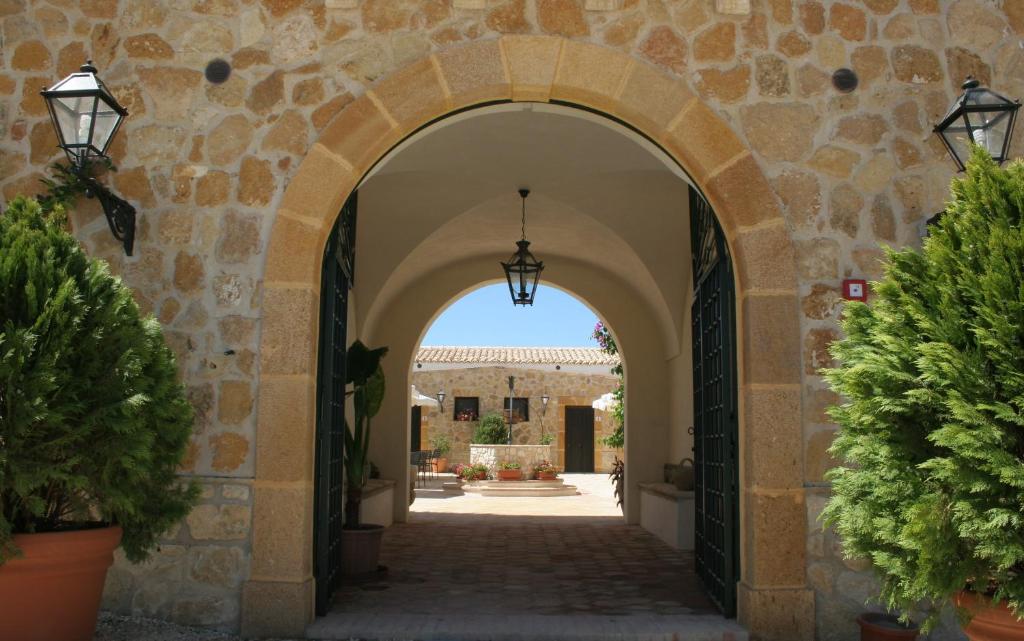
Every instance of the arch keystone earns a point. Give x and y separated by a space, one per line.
532 62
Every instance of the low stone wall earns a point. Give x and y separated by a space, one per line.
526 455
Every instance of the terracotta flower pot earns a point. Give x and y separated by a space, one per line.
510 475
875 626
441 465
988 622
546 476
360 549
54 590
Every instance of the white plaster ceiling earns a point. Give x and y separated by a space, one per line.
600 196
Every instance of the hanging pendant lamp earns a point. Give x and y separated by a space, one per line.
522 271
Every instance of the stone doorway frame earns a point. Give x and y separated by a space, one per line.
773 599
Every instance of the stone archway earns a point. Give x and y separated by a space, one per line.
774 602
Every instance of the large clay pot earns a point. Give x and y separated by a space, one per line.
441 465
510 475
875 626
988 622
360 549
53 591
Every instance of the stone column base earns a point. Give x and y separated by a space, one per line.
776 614
276 608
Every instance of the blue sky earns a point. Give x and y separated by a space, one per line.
486 316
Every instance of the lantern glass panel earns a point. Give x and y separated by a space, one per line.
105 123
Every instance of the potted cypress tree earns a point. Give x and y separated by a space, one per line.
360 547
93 427
931 433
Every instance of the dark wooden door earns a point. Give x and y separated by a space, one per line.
336 281
716 430
417 416
579 439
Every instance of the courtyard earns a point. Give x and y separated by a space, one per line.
472 567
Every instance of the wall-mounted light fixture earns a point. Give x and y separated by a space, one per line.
440 400
544 403
978 116
86 116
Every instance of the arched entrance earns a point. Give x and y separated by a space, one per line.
773 599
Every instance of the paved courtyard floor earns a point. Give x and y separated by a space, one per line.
503 568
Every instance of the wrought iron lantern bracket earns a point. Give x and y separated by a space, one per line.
119 212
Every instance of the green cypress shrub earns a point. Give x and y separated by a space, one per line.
492 430
931 436
93 421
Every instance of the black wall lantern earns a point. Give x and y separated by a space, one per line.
86 117
523 270
979 116
440 400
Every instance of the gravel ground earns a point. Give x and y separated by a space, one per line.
112 627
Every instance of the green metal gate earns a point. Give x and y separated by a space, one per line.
336 280
715 424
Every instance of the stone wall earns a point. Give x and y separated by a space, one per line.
494 455
195 574
207 163
490 385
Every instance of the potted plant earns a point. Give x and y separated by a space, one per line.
93 427
477 472
545 471
442 445
510 471
360 545
547 439
931 438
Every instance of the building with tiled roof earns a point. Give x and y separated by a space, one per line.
445 356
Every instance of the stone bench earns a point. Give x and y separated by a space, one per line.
668 514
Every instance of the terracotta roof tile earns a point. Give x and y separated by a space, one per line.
516 355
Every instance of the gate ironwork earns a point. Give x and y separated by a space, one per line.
715 426
337 277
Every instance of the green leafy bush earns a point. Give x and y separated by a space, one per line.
931 430
93 421
492 430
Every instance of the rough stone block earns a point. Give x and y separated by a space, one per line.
532 62
282 533
651 99
703 141
276 608
773 437
284 443
475 73
776 614
296 249
319 188
765 258
360 134
219 522
289 340
589 75
776 542
771 335
741 195
412 95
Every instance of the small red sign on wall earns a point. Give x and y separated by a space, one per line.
855 289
